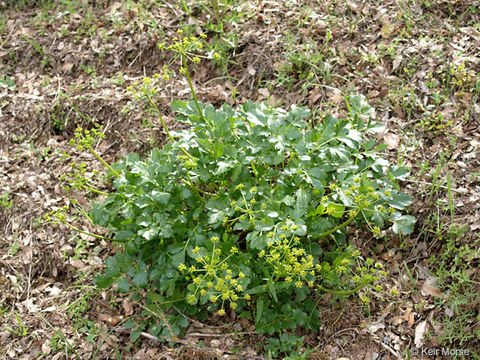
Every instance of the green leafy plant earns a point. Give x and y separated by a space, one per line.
246 210
5 201
458 280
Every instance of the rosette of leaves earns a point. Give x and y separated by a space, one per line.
248 210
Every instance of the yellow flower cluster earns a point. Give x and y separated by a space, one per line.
288 259
185 45
148 85
214 280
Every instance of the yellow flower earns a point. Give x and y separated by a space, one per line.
247 297
213 299
203 292
182 267
233 305
196 60
196 249
239 288
270 234
261 254
221 312
298 284
241 275
254 189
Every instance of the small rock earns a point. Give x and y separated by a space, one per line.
215 343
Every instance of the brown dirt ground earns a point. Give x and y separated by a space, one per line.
44 270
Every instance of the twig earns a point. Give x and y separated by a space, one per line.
344 330
221 335
388 348
441 186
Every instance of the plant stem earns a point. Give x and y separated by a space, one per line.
164 125
104 163
338 227
83 232
157 110
194 95
95 190
342 293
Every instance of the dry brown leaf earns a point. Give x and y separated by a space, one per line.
411 320
392 140
397 61
264 92
127 307
429 288
420 333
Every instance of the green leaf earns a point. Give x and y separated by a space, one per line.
399 172
224 166
255 241
259 312
271 289
301 204
140 279
399 201
123 285
403 224
104 280
160 197
216 217
265 224
178 258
